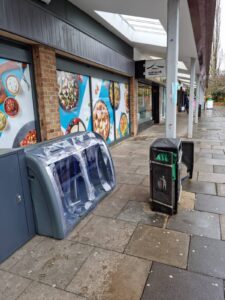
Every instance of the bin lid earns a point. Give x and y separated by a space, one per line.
57 149
166 143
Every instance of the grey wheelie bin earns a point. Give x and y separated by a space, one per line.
68 177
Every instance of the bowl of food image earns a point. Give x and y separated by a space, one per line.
3 121
126 96
27 135
123 124
101 120
116 95
68 94
3 95
75 125
111 93
30 138
12 84
11 106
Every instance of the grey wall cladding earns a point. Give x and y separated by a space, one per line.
28 20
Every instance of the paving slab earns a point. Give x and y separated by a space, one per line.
106 233
79 226
141 212
218 156
211 177
11 286
19 254
207 161
220 189
219 169
196 222
161 245
146 181
133 192
199 167
187 200
220 147
143 170
204 155
219 151
205 146
169 283
126 169
210 203
207 256
109 275
208 188
54 262
110 207
130 178
39 291
222 226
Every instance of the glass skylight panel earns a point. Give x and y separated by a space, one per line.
181 65
137 29
145 24
184 75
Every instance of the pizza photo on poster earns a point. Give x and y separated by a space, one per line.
74 102
121 100
102 106
17 121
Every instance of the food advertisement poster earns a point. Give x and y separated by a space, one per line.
121 100
17 126
74 102
102 104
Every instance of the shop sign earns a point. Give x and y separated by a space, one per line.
155 68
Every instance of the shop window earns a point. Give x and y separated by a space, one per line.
74 102
122 108
103 109
17 118
97 101
144 103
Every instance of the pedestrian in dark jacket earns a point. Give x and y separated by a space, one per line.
186 103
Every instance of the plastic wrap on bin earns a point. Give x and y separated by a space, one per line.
68 177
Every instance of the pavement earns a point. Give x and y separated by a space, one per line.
125 251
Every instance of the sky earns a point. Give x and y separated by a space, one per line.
222 31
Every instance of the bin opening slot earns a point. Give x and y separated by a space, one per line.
188 157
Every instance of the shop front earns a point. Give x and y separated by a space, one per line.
144 103
90 91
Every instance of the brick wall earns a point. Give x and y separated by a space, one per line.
47 91
134 106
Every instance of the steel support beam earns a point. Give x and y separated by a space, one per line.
172 63
191 98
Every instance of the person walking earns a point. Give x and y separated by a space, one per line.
186 103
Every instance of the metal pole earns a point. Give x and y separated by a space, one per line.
191 99
172 62
198 101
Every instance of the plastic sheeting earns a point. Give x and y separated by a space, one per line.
81 172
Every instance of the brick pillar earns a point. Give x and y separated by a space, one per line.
134 105
47 91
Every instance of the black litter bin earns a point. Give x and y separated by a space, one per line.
166 156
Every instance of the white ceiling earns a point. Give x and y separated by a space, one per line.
155 9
